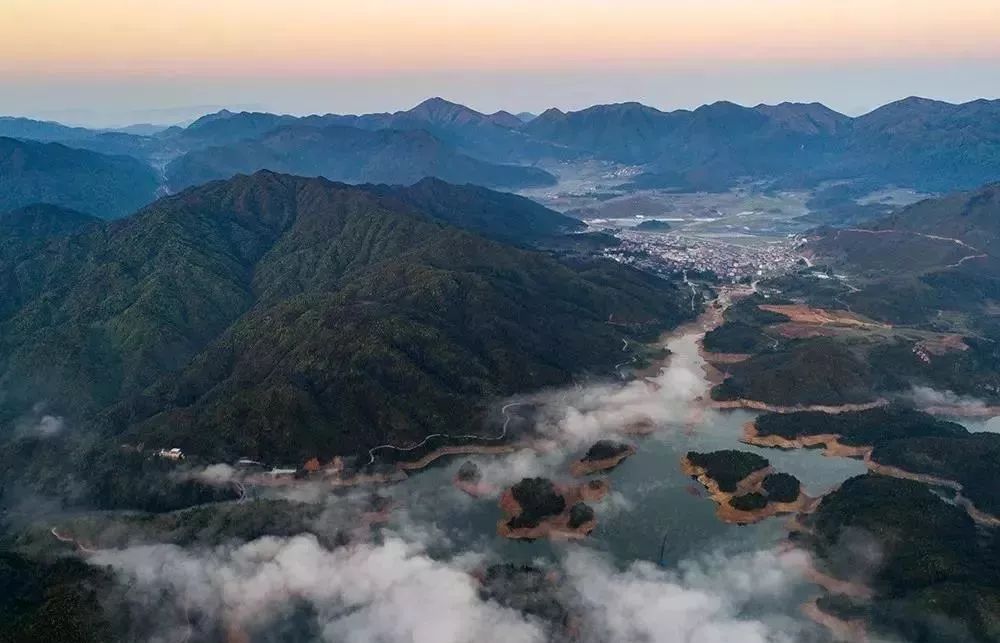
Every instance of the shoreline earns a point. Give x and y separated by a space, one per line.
978 515
472 449
830 442
849 631
754 405
833 585
753 483
833 448
554 527
583 467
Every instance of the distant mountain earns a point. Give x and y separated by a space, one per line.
811 118
351 155
708 148
929 145
494 137
933 145
225 127
106 186
46 131
919 143
628 132
236 317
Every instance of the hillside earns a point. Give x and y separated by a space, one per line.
244 311
105 186
351 155
935 575
498 215
936 259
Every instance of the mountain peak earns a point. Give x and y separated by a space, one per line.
504 118
222 114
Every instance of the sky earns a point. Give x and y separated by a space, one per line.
108 62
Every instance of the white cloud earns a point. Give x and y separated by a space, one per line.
701 604
389 592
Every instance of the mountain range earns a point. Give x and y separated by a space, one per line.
928 145
284 317
351 155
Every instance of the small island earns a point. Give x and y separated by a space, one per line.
744 486
469 479
538 508
603 455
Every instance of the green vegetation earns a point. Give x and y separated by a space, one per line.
604 449
782 487
748 311
539 499
790 377
59 600
858 428
653 225
971 459
727 468
749 502
235 319
105 186
580 514
935 575
738 337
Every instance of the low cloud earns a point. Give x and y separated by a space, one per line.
928 398
700 603
577 416
395 592
389 592
38 423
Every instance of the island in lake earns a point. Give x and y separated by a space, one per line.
744 486
603 455
538 508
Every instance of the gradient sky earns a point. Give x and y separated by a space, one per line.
110 61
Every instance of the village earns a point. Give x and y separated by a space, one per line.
727 261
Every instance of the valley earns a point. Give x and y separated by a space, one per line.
640 369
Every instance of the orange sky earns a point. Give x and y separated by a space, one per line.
334 37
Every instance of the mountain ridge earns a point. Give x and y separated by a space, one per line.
241 312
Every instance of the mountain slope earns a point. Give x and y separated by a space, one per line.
351 155
288 317
106 186
498 215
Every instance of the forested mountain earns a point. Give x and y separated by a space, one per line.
106 186
351 155
286 317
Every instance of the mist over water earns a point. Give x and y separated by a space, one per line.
660 566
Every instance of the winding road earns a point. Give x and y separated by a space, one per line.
503 433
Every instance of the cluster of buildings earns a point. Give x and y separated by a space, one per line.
671 253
